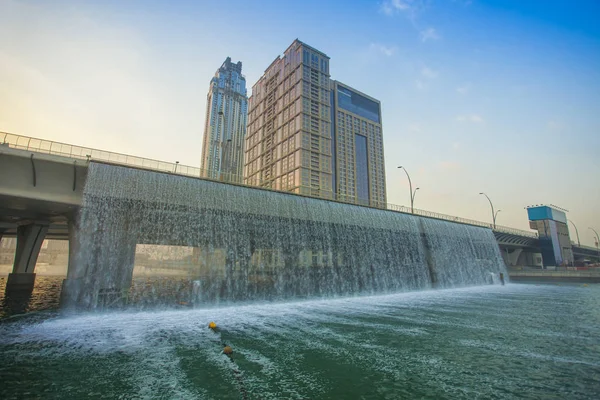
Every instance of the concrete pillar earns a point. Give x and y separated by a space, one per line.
514 257
73 231
29 242
73 285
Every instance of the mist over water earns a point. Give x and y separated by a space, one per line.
258 245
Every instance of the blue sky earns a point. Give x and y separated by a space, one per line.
494 96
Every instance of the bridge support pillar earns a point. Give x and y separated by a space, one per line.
29 242
512 256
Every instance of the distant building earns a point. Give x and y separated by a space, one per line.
311 135
288 146
358 162
225 127
555 242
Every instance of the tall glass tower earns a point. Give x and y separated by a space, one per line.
225 127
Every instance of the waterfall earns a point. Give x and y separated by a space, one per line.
255 244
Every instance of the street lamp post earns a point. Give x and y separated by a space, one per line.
496 216
597 241
492 206
413 198
412 193
576 232
176 164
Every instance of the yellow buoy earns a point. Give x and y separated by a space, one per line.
585 285
227 350
212 325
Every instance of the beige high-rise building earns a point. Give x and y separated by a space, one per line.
312 135
288 141
358 165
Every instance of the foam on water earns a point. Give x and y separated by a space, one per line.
251 244
454 343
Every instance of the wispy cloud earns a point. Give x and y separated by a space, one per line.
391 7
387 51
426 76
429 34
411 9
463 89
429 73
473 118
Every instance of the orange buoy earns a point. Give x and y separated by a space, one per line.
227 350
212 325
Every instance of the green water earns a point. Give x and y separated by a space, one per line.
516 341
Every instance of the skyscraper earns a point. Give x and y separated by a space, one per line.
288 146
225 127
358 164
312 135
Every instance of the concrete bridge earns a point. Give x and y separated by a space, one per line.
41 191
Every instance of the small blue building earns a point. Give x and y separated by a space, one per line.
555 242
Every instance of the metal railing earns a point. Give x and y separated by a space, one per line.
86 153
89 154
431 214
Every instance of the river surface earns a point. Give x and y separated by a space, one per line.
515 341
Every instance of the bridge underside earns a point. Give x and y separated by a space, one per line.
15 212
582 254
519 250
29 220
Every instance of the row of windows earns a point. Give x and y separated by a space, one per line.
288 90
315 77
287 181
304 158
312 141
316 61
299 104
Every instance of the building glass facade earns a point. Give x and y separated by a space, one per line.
358 151
357 104
362 169
225 126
